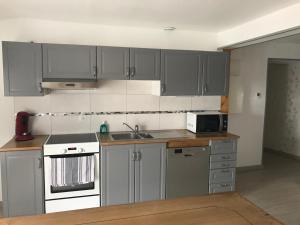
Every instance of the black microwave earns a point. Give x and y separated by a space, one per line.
207 122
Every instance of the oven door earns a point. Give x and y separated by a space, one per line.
210 123
57 192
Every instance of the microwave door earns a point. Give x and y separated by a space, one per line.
208 123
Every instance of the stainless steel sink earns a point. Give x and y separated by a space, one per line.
125 136
130 136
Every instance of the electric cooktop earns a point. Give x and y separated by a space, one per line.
72 138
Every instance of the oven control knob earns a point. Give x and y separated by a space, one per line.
66 151
82 150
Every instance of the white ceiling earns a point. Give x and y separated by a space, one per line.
204 15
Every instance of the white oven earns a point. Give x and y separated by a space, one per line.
71 171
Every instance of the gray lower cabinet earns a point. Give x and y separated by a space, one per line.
181 72
22 183
144 64
117 174
61 61
150 169
113 63
132 173
222 166
216 74
22 69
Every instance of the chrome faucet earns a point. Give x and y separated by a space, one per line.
135 130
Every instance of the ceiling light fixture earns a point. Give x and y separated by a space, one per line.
169 28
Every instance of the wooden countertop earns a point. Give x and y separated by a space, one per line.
35 144
225 209
173 138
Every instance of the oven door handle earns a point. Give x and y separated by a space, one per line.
71 155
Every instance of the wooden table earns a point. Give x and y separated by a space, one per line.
218 209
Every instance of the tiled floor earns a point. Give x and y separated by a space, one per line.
276 188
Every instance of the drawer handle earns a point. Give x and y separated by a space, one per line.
225 165
225 185
225 171
226 157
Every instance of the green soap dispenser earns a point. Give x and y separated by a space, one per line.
104 128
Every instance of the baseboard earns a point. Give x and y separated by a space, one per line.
249 168
284 154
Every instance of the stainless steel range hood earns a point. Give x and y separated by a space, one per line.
67 84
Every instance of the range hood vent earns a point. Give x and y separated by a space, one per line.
62 84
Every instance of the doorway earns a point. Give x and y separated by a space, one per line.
282 113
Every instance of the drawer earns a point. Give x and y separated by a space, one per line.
223 146
221 165
222 187
222 175
223 157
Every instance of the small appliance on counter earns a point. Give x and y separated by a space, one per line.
22 128
207 122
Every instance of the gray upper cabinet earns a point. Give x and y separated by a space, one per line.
22 183
216 76
113 63
22 69
150 170
144 64
181 72
117 175
62 61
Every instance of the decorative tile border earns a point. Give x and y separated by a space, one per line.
114 113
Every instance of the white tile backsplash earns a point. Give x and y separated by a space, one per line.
32 104
115 122
206 103
142 103
71 124
172 121
70 103
108 103
175 103
145 121
108 97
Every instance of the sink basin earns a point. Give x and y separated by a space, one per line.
125 136
130 136
145 135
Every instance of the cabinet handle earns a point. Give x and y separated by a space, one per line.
127 73
225 157
225 165
205 88
134 156
139 156
40 87
163 88
132 71
95 71
40 162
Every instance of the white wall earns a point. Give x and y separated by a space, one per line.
282 121
282 20
250 63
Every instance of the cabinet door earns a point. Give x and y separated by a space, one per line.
180 72
22 69
216 77
22 183
113 63
117 174
150 172
69 62
144 64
